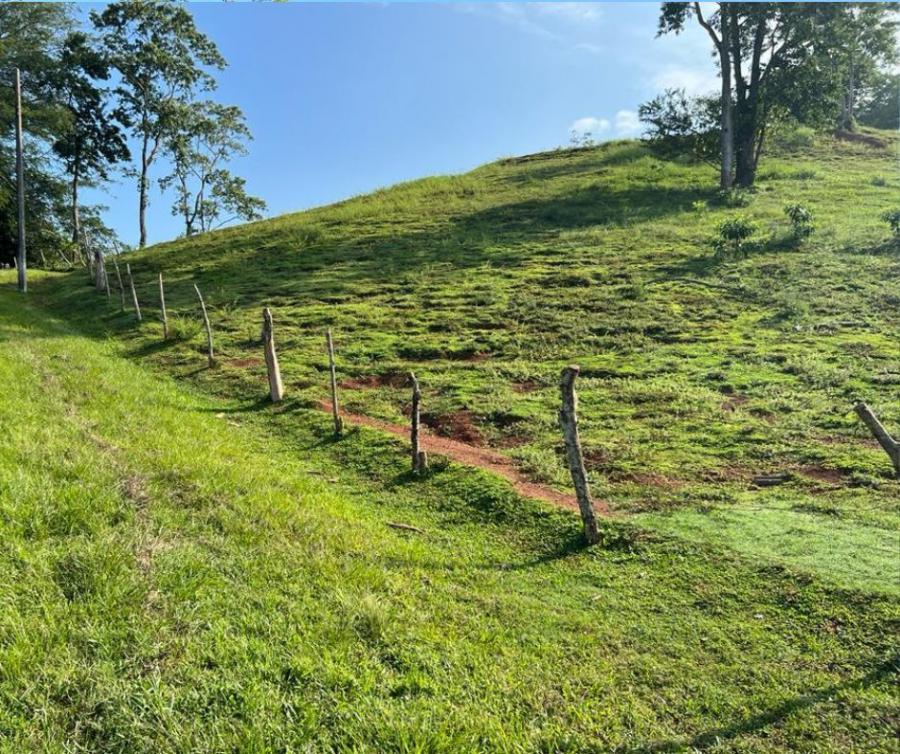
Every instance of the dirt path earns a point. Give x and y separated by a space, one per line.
471 455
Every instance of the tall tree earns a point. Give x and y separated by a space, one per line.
162 60
93 140
771 64
208 136
863 39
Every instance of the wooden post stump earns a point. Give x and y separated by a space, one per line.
134 298
209 340
162 308
890 445
568 421
335 411
419 457
276 387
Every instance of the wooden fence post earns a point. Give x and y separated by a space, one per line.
100 272
890 445
568 421
335 411
276 387
106 282
162 308
209 341
419 457
134 298
119 278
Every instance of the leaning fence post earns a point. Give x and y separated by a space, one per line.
106 282
209 342
119 278
568 421
335 411
134 298
890 445
276 388
419 457
162 308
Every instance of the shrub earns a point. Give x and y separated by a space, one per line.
801 220
892 218
733 198
733 233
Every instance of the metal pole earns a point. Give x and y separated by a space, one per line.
20 186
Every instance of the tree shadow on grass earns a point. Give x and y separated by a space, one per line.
771 716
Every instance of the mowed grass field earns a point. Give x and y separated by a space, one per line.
699 373
183 572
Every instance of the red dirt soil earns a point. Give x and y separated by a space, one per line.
482 458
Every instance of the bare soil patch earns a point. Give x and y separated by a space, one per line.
482 458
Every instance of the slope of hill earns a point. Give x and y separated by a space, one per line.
182 572
699 373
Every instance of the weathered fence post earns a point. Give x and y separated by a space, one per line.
106 282
162 308
890 445
276 388
568 421
134 298
335 411
209 341
119 278
100 271
419 457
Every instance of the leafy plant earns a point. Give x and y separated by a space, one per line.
732 235
801 220
892 218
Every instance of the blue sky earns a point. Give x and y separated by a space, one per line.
345 98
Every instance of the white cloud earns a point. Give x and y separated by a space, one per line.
553 21
588 47
570 12
694 81
590 125
627 122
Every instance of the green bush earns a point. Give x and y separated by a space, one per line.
733 233
892 218
801 220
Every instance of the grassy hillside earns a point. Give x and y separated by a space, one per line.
699 372
182 572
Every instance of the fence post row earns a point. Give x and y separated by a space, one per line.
335 411
209 340
568 421
276 387
119 278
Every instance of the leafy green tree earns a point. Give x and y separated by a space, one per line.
880 102
208 196
771 61
93 140
676 122
162 60
863 42
31 36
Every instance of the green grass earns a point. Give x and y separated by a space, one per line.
698 372
187 568
182 572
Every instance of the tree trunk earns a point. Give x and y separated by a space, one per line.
276 387
76 215
21 261
335 411
100 271
568 421
144 199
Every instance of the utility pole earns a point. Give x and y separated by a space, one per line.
20 186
